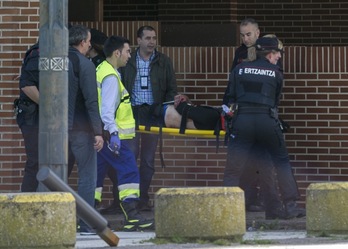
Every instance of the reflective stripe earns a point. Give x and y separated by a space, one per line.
129 190
98 194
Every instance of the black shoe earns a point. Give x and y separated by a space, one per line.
293 211
144 206
275 214
134 220
255 208
114 208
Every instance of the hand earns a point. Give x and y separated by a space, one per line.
99 142
115 143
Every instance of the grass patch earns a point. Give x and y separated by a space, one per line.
257 242
274 225
324 234
180 240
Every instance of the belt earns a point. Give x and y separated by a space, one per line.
253 109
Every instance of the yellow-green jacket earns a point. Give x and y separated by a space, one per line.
124 116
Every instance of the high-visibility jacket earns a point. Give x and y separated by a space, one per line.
124 114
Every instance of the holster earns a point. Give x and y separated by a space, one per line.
274 113
29 109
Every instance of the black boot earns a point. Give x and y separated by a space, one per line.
115 207
293 211
277 213
134 220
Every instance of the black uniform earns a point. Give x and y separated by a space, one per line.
249 180
256 88
28 118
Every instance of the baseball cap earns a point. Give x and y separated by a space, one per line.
268 44
98 39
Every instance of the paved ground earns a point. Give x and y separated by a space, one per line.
286 234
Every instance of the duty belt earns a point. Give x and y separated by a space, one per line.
253 109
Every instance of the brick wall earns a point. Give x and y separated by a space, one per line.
314 22
18 30
314 103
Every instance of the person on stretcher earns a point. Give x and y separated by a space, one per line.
181 113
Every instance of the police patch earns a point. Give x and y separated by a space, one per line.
258 71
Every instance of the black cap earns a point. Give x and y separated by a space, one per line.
98 37
268 44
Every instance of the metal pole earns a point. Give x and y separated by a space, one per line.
53 65
87 213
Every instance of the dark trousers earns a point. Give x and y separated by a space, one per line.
31 140
250 179
263 131
145 146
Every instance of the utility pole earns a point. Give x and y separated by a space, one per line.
53 65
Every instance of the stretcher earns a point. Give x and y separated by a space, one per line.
176 132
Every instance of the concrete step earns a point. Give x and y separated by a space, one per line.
254 221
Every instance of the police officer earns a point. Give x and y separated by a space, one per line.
255 89
27 110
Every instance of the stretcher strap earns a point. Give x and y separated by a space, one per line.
176 132
161 147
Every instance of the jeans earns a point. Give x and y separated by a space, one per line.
82 146
263 131
146 145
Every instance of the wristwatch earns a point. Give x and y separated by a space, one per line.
115 133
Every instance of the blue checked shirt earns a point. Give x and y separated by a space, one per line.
142 96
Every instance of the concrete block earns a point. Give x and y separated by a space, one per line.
37 220
205 212
326 205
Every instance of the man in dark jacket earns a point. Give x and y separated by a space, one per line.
149 78
85 126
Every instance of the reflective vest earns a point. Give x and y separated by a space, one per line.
124 114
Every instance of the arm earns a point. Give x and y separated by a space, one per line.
88 86
29 79
230 95
172 89
110 101
279 88
32 92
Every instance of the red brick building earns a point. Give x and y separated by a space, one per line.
201 37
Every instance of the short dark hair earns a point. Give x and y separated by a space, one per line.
140 31
77 33
249 20
114 43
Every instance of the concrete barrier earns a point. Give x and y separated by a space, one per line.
326 205
206 212
37 220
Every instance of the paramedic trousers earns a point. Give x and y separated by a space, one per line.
125 167
260 129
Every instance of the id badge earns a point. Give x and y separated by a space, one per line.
143 82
